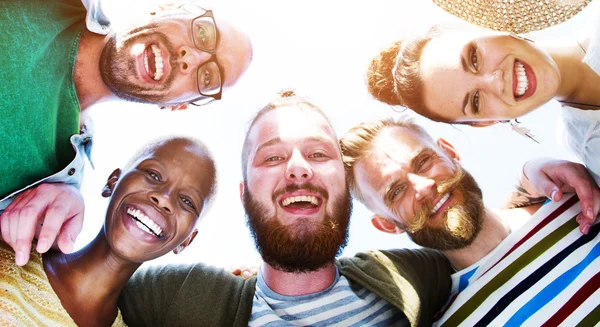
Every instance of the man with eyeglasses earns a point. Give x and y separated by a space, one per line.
61 57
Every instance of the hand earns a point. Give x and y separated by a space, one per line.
57 208
245 272
552 177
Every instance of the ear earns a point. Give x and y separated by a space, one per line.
448 148
111 182
483 123
384 225
175 107
186 242
242 191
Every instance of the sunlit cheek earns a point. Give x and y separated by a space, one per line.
137 49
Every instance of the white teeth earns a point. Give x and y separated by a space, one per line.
522 82
158 62
144 222
300 198
440 203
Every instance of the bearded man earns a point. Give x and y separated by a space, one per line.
298 208
545 272
58 59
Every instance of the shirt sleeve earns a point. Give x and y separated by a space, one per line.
95 20
186 295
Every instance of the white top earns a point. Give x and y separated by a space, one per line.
580 129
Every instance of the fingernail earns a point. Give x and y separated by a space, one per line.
590 213
246 274
42 246
586 229
553 194
20 259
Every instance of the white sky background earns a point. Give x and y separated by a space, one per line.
321 49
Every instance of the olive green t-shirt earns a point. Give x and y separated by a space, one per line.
38 103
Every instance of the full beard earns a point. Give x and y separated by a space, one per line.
303 246
462 222
118 69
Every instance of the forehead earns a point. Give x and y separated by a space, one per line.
291 124
390 155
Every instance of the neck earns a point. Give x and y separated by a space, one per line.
578 82
493 231
88 83
76 278
296 284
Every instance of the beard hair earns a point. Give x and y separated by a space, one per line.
115 71
303 246
462 222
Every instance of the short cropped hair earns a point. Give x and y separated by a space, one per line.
358 142
285 99
153 145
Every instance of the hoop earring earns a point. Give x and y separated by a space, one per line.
521 130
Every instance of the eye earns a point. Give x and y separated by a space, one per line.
273 159
187 202
423 163
206 77
154 175
395 192
474 60
202 34
317 155
475 102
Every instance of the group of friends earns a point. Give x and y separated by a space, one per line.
59 58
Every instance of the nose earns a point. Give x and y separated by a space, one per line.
493 82
298 169
423 186
190 58
162 199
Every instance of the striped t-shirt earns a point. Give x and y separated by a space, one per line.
543 274
341 304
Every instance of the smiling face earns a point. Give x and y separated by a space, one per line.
158 62
418 186
470 76
155 205
295 192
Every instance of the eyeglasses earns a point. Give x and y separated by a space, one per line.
209 77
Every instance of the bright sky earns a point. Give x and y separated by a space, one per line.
321 49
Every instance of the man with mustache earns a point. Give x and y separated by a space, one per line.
298 208
545 272
55 67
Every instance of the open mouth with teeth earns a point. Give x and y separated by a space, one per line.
440 203
153 62
145 223
523 80
305 204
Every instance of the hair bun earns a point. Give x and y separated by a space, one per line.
380 79
287 93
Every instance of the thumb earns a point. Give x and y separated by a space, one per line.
550 190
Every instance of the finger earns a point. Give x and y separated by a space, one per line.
55 217
246 274
10 217
25 233
69 232
549 188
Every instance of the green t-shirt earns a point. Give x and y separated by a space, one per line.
38 103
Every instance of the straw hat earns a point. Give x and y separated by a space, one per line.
516 16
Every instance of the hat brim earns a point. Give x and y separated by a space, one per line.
514 16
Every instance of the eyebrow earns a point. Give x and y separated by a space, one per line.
276 140
463 63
